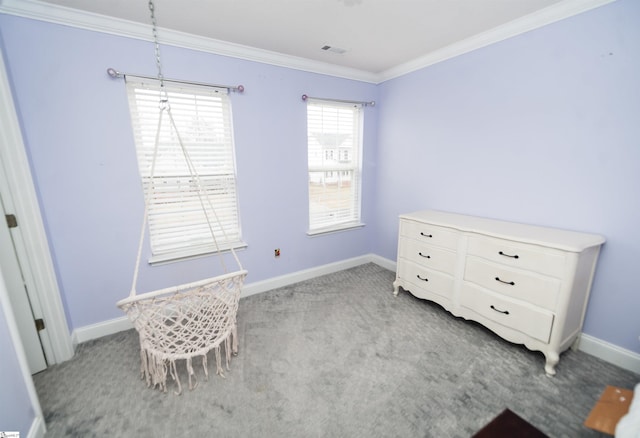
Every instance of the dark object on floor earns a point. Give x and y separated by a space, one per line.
508 424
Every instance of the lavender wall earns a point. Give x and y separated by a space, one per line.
542 128
78 136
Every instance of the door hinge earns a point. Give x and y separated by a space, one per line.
12 222
39 324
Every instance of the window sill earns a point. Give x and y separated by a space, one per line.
193 254
335 229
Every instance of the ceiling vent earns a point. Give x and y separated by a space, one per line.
332 49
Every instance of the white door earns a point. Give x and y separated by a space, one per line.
19 299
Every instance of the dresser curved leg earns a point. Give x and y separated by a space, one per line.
396 287
552 360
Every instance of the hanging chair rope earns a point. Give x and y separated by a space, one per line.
164 106
147 198
194 173
154 28
189 320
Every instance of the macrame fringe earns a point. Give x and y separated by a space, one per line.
227 352
218 365
174 374
234 338
154 369
204 366
188 323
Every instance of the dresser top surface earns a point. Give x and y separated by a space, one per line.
546 236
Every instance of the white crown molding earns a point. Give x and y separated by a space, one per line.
551 14
90 21
42 11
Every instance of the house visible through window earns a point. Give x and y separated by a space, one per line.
334 146
178 225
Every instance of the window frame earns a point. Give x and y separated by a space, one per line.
205 125
338 166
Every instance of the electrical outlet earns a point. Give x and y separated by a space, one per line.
276 252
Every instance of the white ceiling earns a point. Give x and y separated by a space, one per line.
380 37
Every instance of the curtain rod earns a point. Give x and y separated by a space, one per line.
116 74
372 103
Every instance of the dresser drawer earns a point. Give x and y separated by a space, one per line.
543 260
427 279
427 255
517 315
523 285
431 234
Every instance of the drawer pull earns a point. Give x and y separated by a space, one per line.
425 256
505 282
515 256
420 278
506 312
426 235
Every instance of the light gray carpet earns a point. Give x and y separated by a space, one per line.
337 356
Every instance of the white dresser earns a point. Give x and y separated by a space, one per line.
528 284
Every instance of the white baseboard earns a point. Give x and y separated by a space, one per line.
104 328
306 274
37 429
381 261
606 351
610 353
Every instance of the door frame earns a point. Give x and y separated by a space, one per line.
20 302
38 426
32 247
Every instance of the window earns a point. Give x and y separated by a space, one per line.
178 225
334 185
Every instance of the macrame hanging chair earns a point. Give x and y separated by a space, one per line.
190 320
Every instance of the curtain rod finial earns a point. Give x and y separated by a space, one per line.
113 72
240 88
305 97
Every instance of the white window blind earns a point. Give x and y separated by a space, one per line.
178 225
334 144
